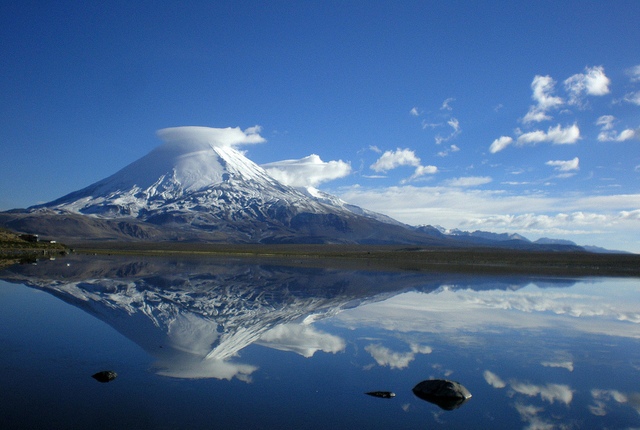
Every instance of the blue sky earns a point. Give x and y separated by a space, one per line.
499 116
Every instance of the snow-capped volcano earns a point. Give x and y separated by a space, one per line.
197 186
192 164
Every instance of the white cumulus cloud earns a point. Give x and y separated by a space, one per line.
634 73
307 171
392 159
446 105
608 134
468 181
592 82
633 98
455 125
613 136
500 143
565 166
606 122
555 135
421 171
543 88
452 148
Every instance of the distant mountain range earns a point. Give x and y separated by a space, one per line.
199 191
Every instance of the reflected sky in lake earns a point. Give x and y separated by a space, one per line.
201 343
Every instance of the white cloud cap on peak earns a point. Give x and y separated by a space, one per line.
307 171
212 136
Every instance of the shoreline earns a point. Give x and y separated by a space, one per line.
391 257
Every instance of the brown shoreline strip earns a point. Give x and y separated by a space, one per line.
394 257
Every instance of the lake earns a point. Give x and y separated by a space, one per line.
258 344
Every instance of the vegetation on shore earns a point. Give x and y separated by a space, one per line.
395 257
14 248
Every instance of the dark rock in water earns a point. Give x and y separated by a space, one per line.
105 376
449 395
382 394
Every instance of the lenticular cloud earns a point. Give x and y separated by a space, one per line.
213 136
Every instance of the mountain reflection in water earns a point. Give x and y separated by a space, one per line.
194 316
526 347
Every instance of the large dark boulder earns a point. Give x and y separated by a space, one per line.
448 395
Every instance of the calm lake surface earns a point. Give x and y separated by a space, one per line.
202 343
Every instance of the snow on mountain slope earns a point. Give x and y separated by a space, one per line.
337 202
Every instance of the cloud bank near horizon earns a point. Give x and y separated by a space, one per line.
537 215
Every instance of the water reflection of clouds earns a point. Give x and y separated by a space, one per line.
560 364
548 392
395 360
476 311
603 401
494 380
184 366
533 415
302 339
603 398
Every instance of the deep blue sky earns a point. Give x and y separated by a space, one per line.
500 116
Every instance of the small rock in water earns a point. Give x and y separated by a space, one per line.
449 395
382 394
105 376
